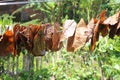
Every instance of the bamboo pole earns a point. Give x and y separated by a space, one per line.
17 64
40 62
53 60
13 64
53 64
37 63
23 62
8 64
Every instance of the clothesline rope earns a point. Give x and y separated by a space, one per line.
27 2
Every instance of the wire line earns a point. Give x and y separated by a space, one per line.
27 2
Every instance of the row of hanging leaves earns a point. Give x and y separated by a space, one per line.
38 39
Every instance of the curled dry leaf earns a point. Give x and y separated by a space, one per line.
70 41
18 42
56 44
113 30
68 29
48 36
102 16
7 43
23 37
49 29
95 36
99 27
39 43
91 26
118 30
103 28
16 38
118 27
113 23
112 20
52 37
29 34
81 35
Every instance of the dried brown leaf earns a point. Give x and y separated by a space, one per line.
95 36
70 41
102 15
39 43
112 20
56 44
103 28
68 29
91 26
7 43
81 35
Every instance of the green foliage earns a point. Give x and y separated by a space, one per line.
42 74
6 77
6 19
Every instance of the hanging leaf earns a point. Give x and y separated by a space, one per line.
56 44
99 27
48 35
16 38
70 41
7 43
91 26
113 23
118 30
81 35
103 28
23 37
102 15
113 30
118 27
39 43
19 43
68 29
95 36
112 20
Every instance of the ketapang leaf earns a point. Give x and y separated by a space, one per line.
56 44
52 37
81 35
70 41
102 16
39 43
99 27
118 30
113 23
23 37
15 36
49 30
112 20
6 43
18 43
95 36
113 30
68 29
91 26
103 28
